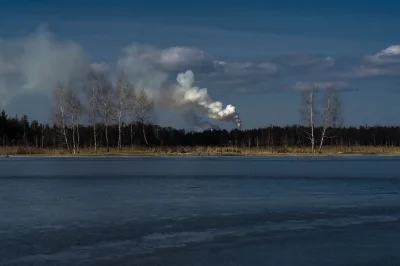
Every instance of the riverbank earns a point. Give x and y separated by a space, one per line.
204 151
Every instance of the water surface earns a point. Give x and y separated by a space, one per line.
200 211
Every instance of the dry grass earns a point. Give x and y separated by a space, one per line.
203 151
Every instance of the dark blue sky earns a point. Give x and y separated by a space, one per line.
293 42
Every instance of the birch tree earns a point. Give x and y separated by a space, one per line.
144 112
60 116
92 97
123 99
106 107
332 115
75 111
309 114
131 112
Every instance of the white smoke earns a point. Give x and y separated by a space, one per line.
200 97
197 123
144 69
140 70
37 62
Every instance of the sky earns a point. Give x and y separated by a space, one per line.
255 55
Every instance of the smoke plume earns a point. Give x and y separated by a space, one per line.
200 97
198 124
37 62
146 69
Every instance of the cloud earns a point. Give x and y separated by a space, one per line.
323 85
137 62
173 57
244 68
180 58
383 64
389 55
363 71
100 67
154 68
296 61
37 62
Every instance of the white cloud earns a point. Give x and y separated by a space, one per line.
100 67
323 85
175 57
180 56
139 67
386 56
294 61
368 72
148 66
244 68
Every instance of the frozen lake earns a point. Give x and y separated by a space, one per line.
200 211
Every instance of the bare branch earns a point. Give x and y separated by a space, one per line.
144 111
123 101
75 111
308 113
60 114
106 105
332 115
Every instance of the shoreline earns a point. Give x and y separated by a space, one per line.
342 151
122 155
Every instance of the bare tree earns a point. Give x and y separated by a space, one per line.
92 96
106 107
131 111
60 116
309 113
144 112
332 114
123 99
75 111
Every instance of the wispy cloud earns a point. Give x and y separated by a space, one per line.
389 55
139 59
363 71
323 85
100 67
300 60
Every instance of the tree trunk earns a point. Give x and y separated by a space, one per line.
78 138
42 144
95 137
108 147
66 139
119 135
64 128
73 137
322 140
144 134
131 135
312 139
312 120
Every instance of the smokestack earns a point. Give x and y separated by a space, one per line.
200 97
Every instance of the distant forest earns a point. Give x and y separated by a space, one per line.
17 131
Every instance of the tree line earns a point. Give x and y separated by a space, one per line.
118 116
15 131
